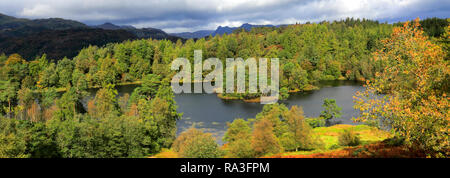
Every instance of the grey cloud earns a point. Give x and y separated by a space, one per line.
190 15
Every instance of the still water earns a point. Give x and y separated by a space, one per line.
208 112
211 113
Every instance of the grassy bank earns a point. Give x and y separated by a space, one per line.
370 137
329 137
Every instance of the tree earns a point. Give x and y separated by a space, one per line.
194 143
149 87
264 140
108 71
284 93
79 83
67 105
39 143
299 135
160 114
238 139
8 93
48 77
348 138
48 98
12 139
64 70
15 68
106 102
275 113
239 128
331 109
415 80
107 137
139 67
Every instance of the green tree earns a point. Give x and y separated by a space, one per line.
148 89
238 139
64 70
68 105
194 143
275 113
331 109
48 77
8 94
15 68
299 135
160 114
106 102
12 139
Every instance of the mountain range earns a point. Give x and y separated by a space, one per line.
59 38
153 33
219 31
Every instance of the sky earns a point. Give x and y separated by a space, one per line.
175 16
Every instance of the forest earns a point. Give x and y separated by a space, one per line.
41 114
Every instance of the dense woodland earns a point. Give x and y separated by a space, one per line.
43 116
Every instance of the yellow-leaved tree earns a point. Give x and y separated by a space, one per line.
415 85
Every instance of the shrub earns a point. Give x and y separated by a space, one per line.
349 138
395 141
316 122
334 146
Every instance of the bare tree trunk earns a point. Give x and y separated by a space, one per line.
9 108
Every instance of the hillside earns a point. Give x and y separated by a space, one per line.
60 38
196 34
153 33
18 27
375 143
58 44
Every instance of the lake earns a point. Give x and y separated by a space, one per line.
211 113
208 112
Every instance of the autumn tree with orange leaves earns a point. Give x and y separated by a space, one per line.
415 82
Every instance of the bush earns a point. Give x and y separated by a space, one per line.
372 123
395 141
349 138
334 146
316 122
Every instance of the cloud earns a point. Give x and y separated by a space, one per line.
190 15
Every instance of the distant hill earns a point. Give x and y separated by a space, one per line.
227 30
60 38
196 34
219 31
16 27
108 26
58 44
153 33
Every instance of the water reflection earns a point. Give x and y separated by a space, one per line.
211 113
